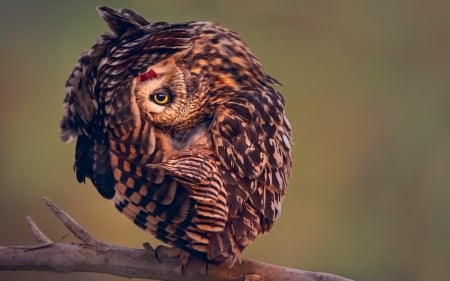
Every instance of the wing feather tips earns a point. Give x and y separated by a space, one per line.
120 21
67 133
83 159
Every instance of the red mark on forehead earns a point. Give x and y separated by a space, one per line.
149 75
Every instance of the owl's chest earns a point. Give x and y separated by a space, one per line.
197 140
147 145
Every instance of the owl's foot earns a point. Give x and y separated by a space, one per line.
164 252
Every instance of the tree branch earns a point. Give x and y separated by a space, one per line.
93 255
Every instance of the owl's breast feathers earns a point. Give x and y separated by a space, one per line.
209 190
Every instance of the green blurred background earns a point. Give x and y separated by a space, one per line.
367 85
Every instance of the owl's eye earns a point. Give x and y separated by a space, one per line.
161 96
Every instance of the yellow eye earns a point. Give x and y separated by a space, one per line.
161 96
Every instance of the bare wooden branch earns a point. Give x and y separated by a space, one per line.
37 233
100 257
74 226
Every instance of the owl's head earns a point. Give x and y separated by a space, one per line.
181 72
173 74
168 95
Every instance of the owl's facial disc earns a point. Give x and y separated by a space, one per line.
153 91
167 98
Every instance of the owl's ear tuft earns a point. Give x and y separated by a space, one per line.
121 20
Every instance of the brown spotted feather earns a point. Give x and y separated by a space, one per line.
180 126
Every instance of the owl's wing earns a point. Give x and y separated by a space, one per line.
199 174
99 91
120 21
252 139
180 200
83 121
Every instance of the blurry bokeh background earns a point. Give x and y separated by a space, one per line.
367 85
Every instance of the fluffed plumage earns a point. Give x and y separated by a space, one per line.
181 128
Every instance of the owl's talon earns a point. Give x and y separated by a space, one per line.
147 246
162 252
156 254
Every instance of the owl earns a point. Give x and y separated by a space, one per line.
180 127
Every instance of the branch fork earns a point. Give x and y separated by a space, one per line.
93 255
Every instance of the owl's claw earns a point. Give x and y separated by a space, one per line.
164 252
147 246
